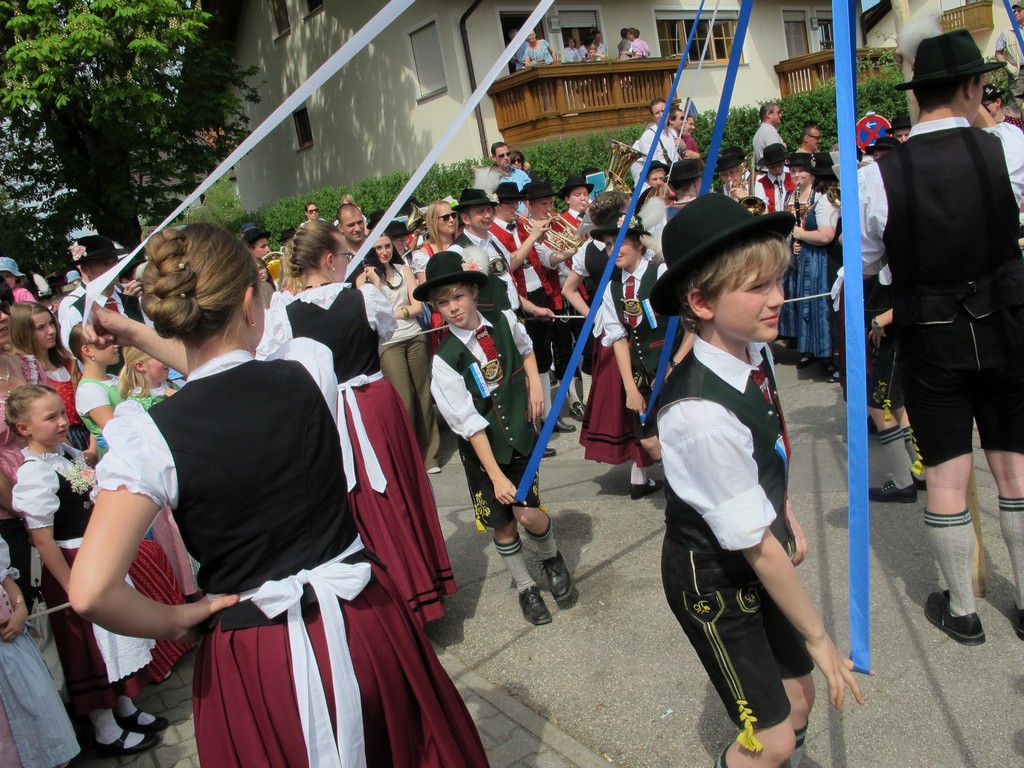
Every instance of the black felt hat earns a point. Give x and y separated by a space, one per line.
657 164
882 144
445 268
508 192
470 197
991 92
572 183
701 231
537 190
393 229
252 234
728 158
948 58
800 160
636 228
901 122
95 248
688 169
773 153
822 162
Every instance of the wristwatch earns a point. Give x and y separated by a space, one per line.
874 323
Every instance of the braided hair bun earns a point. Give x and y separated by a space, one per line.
196 280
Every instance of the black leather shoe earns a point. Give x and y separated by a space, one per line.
561 425
117 748
534 610
805 361
549 452
577 410
889 492
559 579
638 491
132 723
1018 622
966 630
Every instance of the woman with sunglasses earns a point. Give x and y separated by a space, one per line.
442 229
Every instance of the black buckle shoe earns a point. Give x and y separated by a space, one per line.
561 425
577 410
549 452
534 610
966 630
639 490
132 723
118 748
890 493
560 581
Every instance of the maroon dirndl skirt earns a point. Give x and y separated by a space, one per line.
244 696
153 576
84 669
401 525
610 433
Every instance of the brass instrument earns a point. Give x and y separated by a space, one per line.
622 157
565 239
417 219
834 197
273 263
752 202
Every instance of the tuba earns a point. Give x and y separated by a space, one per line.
752 202
622 157
834 197
273 263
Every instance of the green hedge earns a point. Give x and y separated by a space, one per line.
554 161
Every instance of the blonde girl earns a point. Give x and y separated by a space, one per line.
96 391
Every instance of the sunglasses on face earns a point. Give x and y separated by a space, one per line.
446 217
313 210
503 154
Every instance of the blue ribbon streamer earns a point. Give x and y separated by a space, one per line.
843 15
705 183
595 302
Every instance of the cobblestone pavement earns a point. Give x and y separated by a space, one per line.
514 735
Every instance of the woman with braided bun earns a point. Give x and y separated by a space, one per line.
391 498
266 513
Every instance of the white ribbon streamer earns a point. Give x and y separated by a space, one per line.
327 70
347 395
446 139
344 748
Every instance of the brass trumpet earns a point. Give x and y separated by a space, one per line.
752 202
565 239
834 197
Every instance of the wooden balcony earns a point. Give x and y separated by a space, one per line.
805 73
544 102
974 17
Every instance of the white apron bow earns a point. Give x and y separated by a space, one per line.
347 395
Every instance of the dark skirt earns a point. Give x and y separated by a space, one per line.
153 576
610 433
84 669
244 696
401 525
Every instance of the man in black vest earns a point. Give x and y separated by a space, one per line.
941 210
99 255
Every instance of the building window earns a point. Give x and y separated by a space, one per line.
427 60
313 6
281 22
826 41
674 29
795 25
303 130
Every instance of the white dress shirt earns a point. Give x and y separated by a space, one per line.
610 318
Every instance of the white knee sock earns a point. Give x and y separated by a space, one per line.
108 731
545 387
638 475
1011 520
953 539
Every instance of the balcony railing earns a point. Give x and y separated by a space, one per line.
974 17
538 103
805 73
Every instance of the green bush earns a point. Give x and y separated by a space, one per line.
554 161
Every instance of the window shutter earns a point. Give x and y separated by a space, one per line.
426 54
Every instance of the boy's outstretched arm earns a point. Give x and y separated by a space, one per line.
774 568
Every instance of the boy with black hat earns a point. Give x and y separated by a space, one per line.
776 182
486 386
958 304
731 541
729 168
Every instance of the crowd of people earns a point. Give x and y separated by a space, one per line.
302 550
536 51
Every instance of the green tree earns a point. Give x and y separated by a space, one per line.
112 110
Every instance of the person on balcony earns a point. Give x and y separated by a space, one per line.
625 44
638 48
573 53
597 40
768 132
538 51
517 62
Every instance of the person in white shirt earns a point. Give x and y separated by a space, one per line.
768 132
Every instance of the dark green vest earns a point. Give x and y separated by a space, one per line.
505 409
692 380
494 295
645 342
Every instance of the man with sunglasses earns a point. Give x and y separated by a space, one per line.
501 159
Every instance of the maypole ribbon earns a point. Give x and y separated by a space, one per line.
705 183
446 138
533 465
327 70
843 14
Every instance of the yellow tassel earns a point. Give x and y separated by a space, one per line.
887 410
747 739
479 510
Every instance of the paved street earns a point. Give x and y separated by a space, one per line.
613 681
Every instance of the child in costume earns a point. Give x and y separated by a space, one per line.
732 543
485 384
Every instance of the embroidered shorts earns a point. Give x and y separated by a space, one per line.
883 381
746 644
964 373
491 513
